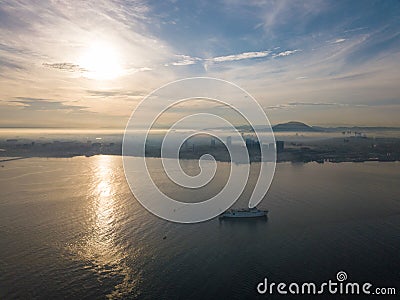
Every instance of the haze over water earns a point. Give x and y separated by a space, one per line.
71 228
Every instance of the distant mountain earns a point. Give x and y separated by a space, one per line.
357 128
294 126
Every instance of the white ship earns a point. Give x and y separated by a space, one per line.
244 213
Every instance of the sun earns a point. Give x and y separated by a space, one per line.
101 61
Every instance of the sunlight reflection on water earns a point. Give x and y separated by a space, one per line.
99 248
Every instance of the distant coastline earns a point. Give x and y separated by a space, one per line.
298 142
290 126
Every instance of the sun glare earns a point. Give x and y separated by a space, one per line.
101 61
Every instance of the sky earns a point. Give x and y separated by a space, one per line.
87 64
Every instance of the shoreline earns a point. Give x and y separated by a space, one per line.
333 161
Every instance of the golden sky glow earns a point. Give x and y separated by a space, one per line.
88 63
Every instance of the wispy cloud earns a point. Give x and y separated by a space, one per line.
314 104
337 41
240 56
70 67
185 60
115 93
37 104
10 65
299 104
383 102
355 29
285 53
188 60
283 14
291 105
356 76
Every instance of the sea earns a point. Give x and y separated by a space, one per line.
70 228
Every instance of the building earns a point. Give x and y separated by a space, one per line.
212 143
252 143
280 146
229 141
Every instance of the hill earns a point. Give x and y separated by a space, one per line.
294 126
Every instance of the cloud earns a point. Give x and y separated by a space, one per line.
143 69
355 29
315 104
6 64
281 15
38 104
240 56
320 104
116 93
70 67
383 102
356 76
285 53
186 60
10 58
337 41
297 104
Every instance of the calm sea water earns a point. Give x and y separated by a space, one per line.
70 228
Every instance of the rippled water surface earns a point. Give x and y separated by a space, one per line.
70 228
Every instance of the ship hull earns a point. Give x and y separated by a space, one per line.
243 214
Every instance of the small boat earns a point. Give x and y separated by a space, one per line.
244 213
